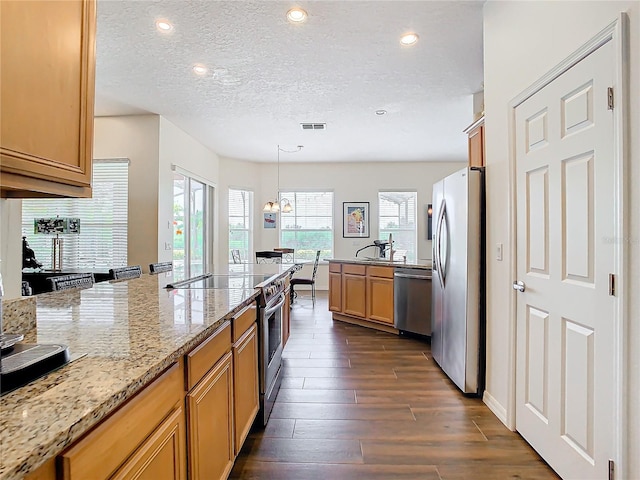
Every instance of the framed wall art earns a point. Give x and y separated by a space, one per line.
355 219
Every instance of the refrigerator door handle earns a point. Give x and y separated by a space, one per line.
441 222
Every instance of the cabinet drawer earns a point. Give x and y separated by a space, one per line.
103 450
383 272
242 321
352 269
206 355
335 267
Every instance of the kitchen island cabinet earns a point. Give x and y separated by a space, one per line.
47 60
149 430
246 395
361 292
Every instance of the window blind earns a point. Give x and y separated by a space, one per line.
397 215
309 227
102 241
240 225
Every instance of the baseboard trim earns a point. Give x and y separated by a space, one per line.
496 407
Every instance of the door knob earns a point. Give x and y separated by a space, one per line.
519 285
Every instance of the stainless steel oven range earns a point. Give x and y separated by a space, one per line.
271 302
270 306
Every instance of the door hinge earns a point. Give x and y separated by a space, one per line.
610 469
612 285
610 97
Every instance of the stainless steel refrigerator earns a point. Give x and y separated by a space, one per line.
457 304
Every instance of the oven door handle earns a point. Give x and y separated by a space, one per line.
269 310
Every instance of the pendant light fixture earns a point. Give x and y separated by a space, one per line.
274 206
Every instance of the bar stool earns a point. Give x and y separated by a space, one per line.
76 280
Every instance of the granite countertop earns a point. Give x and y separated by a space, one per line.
121 335
421 264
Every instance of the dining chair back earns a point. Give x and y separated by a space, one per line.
269 256
155 268
75 280
122 273
288 254
307 281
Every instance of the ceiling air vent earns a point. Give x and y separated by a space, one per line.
313 126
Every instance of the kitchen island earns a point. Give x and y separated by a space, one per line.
121 336
361 291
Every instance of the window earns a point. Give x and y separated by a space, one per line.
191 245
102 242
309 227
240 224
397 215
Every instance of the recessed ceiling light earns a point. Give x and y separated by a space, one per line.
381 112
409 39
296 15
164 26
199 69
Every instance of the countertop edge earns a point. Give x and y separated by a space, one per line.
380 263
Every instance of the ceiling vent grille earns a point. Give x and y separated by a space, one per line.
313 126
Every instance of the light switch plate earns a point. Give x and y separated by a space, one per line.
499 252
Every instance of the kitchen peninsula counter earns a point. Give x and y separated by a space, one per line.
121 335
382 262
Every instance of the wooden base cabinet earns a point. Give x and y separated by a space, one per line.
380 299
210 420
161 455
141 438
245 381
47 64
335 288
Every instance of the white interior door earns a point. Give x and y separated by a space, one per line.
565 399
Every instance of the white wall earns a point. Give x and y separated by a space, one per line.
135 137
522 41
11 246
180 149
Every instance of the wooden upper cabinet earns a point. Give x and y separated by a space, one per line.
475 131
47 65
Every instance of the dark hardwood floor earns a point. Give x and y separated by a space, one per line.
360 404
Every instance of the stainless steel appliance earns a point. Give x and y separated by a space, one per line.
457 316
412 300
270 305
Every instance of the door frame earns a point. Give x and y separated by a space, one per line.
618 33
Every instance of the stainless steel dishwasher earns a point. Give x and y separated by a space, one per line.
412 300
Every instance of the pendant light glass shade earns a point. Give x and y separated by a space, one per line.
274 206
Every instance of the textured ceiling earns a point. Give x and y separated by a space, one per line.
266 76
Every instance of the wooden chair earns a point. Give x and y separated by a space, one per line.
155 268
123 273
269 256
307 281
76 280
235 256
